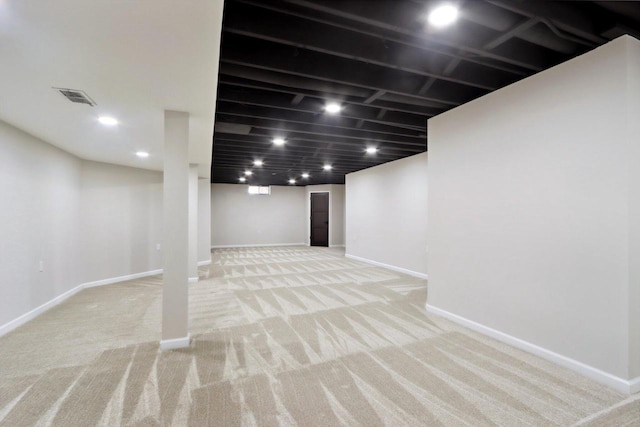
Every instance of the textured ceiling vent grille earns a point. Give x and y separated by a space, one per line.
77 96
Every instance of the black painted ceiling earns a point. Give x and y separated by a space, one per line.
282 60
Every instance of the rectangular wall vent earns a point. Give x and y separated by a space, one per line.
77 96
264 190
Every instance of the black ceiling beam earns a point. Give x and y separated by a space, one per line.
294 144
375 130
300 12
240 160
627 11
310 118
248 21
403 99
229 175
231 171
310 105
503 21
281 177
265 135
309 163
395 20
244 51
287 80
511 32
306 148
375 96
248 148
563 16
314 167
240 82
279 127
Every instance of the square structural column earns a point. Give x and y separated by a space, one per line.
175 290
193 223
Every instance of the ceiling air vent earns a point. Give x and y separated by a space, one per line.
77 96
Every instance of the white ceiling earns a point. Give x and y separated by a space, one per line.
134 58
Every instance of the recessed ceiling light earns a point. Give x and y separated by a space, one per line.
371 150
292 181
107 121
248 173
279 141
305 175
443 15
257 163
142 154
327 167
333 108
242 179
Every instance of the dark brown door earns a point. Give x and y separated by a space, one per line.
319 219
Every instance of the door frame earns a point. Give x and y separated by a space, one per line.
309 216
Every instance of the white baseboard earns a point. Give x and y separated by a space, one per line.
257 245
390 267
121 278
617 383
336 246
13 324
175 343
19 321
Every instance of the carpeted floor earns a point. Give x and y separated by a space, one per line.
283 336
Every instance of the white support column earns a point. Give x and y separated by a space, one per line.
175 291
193 223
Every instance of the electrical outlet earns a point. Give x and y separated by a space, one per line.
41 266
157 246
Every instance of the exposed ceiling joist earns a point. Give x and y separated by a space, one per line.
284 61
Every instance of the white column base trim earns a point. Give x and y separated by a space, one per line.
193 280
175 343
205 262
617 383
257 245
390 267
30 315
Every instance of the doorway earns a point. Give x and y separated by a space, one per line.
319 219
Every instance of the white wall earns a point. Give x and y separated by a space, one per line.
633 122
533 210
120 221
386 214
204 220
238 218
86 221
336 212
40 194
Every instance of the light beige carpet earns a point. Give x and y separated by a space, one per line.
283 336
